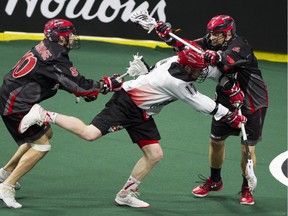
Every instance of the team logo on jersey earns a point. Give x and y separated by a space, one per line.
115 128
236 49
74 71
278 168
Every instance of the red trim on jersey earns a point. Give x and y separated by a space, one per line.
266 95
142 143
145 116
252 108
11 104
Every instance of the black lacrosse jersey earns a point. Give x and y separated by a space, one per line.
38 75
239 62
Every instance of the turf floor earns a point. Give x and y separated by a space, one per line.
81 178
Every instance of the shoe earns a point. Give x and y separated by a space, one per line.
4 175
246 196
36 115
130 198
7 194
207 186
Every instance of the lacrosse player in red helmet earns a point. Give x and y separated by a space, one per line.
240 86
132 108
36 77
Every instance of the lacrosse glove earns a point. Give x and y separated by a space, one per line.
111 84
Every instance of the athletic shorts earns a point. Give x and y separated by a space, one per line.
33 133
121 112
254 126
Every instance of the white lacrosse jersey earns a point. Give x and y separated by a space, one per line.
166 83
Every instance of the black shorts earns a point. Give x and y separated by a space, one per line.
121 112
254 126
33 133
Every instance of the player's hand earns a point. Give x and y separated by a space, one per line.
236 95
89 98
234 119
212 57
111 84
163 30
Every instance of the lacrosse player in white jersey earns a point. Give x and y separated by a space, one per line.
132 108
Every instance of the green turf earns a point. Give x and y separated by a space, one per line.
81 178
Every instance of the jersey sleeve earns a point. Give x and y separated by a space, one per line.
187 92
70 80
237 54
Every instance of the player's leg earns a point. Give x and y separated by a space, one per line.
76 126
219 132
38 115
6 170
152 154
216 160
146 135
26 157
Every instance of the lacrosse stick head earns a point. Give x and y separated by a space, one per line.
250 175
137 66
143 19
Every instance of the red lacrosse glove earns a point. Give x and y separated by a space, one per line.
163 30
234 119
212 57
111 84
236 95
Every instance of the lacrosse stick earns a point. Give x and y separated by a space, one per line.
147 22
136 67
249 171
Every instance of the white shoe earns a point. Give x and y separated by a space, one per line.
130 198
4 175
7 194
36 115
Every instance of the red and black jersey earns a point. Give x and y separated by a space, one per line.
38 75
239 62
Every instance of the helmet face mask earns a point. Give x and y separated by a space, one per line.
217 39
62 30
220 29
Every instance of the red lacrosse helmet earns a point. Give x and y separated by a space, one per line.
194 63
60 27
221 23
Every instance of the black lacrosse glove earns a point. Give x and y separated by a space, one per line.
111 84
89 98
163 30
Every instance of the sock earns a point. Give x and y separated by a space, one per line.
245 182
215 174
3 174
131 184
50 116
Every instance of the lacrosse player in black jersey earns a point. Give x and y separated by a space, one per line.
240 86
36 77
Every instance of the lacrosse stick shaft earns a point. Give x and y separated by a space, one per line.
244 136
185 43
122 76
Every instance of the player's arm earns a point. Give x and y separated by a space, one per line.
206 105
70 80
231 86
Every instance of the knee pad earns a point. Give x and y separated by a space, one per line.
41 147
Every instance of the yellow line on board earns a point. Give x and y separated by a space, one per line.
9 36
